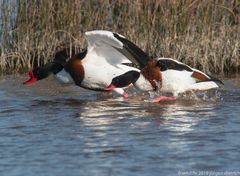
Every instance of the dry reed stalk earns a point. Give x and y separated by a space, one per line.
203 34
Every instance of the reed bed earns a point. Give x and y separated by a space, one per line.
203 34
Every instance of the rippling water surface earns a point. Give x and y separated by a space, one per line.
48 129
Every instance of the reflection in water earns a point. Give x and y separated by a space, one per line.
48 128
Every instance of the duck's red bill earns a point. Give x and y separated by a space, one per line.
31 80
111 87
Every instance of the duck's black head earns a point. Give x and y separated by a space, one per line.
60 59
43 72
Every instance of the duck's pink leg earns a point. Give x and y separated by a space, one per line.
163 98
121 92
125 95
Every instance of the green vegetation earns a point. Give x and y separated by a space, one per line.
202 33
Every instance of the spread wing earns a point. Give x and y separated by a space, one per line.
114 48
132 52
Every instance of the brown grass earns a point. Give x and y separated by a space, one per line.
203 34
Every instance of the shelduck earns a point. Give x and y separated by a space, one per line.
163 74
94 68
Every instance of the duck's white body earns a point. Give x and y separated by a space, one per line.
182 81
178 81
103 75
101 63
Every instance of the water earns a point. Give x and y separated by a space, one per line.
47 129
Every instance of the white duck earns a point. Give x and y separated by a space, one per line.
164 74
94 68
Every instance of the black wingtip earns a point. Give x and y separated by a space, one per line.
215 79
139 56
212 79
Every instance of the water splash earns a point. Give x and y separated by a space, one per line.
212 95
